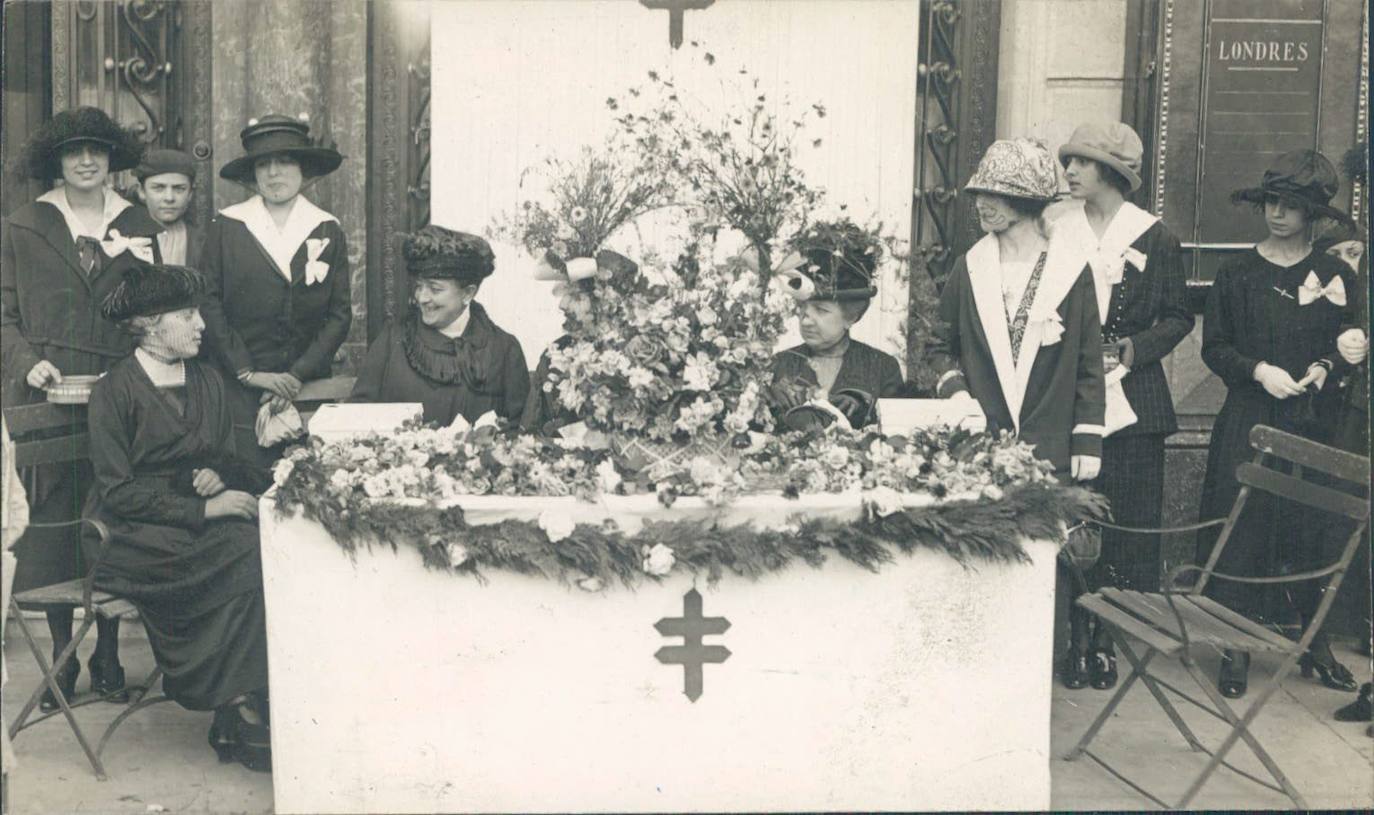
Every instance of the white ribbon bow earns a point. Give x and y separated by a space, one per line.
1112 268
116 245
1312 290
315 269
1052 328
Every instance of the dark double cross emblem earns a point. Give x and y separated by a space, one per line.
692 655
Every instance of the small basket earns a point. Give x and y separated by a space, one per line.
74 389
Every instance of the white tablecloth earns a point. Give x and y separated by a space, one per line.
401 689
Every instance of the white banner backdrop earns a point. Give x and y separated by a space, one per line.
515 82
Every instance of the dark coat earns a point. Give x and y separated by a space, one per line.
482 370
1063 401
863 368
49 306
196 582
256 320
1150 309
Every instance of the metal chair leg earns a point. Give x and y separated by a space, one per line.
49 679
1158 694
1240 730
143 702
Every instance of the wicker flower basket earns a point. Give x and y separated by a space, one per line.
662 460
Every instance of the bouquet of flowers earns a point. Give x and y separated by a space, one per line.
671 361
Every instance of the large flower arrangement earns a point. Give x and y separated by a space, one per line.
681 359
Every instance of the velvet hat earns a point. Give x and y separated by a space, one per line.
281 135
163 160
832 261
448 254
1115 145
1302 177
147 290
42 154
1016 168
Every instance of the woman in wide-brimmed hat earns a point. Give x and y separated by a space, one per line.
279 303
446 353
1270 332
60 255
181 510
1137 268
1018 328
833 283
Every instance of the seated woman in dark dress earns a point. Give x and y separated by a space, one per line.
834 288
446 354
181 511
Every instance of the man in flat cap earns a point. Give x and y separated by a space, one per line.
166 179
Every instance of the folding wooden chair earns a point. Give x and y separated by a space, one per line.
51 434
1181 620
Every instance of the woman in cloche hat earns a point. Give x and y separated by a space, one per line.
60 256
279 303
833 285
1137 269
181 510
1018 327
446 354
1270 332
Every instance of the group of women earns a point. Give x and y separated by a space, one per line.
1058 334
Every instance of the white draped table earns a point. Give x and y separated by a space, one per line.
401 689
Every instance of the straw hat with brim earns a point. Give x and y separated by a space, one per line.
275 135
42 155
1016 168
147 290
447 254
1115 145
1303 178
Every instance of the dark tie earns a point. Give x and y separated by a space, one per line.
89 249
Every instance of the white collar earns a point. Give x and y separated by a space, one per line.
281 244
455 329
163 374
113 206
1106 255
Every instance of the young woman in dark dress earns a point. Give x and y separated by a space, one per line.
834 288
61 255
1270 332
446 354
1138 276
279 303
182 511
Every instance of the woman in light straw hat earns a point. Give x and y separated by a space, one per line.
446 354
279 303
1018 328
1138 271
1270 331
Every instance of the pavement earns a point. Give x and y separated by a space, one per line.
158 761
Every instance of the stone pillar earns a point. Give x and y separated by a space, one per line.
293 57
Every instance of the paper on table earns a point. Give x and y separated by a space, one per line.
901 416
340 420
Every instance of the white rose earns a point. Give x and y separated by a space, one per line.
706 315
590 583
457 554
282 471
836 457
884 501
556 525
608 476
992 492
658 560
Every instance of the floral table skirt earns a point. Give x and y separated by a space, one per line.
397 688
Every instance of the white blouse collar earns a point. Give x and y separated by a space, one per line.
163 374
455 329
281 244
114 205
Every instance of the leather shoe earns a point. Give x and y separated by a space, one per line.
1360 709
1074 672
107 680
1234 679
1333 674
66 681
1102 668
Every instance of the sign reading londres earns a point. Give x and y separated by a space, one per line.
1262 88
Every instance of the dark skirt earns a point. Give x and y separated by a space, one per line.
209 659
1272 536
1132 480
56 494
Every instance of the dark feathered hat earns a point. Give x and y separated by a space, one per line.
147 290
838 261
42 154
274 134
447 253
1302 177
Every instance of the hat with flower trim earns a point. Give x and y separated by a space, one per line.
42 155
834 260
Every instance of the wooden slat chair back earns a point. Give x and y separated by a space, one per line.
1179 620
48 434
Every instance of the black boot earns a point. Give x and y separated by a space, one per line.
1359 710
1234 679
107 675
66 681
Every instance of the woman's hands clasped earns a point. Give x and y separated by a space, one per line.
1276 381
207 482
232 504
